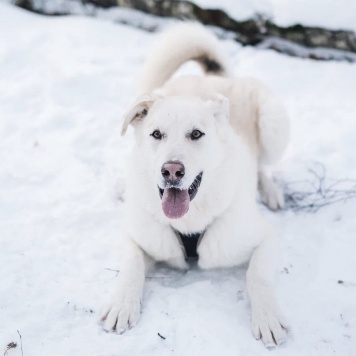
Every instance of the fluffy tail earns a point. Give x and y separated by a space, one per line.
181 43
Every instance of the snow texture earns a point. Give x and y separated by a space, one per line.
64 85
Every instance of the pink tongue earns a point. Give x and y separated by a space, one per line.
175 202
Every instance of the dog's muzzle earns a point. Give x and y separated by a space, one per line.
175 201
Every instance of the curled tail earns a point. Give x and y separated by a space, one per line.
182 43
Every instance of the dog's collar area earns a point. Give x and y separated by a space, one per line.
189 243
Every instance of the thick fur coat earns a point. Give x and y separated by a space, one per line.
202 147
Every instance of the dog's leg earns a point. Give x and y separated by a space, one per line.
268 322
273 134
271 193
123 311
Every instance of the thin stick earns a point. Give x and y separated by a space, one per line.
10 346
113 270
161 336
319 191
20 342
158 277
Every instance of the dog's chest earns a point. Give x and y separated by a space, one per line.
189 243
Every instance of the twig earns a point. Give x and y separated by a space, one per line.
148 277
162 337
158 277
20 342
318 192
113 270
346 283
11 345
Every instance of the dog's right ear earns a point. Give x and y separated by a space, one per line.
138 111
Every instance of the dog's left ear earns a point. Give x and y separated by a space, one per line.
220 106
138 111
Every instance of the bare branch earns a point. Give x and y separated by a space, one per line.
318 191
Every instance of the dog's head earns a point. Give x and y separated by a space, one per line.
179 138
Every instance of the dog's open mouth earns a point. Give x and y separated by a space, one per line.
175 201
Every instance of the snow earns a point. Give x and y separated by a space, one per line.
64 85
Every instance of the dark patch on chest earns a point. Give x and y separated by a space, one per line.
190 244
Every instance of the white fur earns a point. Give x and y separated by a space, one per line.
178 45
244 127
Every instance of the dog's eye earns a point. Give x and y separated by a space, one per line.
196 135
156 134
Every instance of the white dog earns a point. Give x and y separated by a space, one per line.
202 142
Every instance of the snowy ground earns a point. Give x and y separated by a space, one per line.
64 84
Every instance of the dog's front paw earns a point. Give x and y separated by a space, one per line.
269 324
271 193
120 315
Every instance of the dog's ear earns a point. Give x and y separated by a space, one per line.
138 110
220 106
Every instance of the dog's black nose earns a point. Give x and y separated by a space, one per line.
173 172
